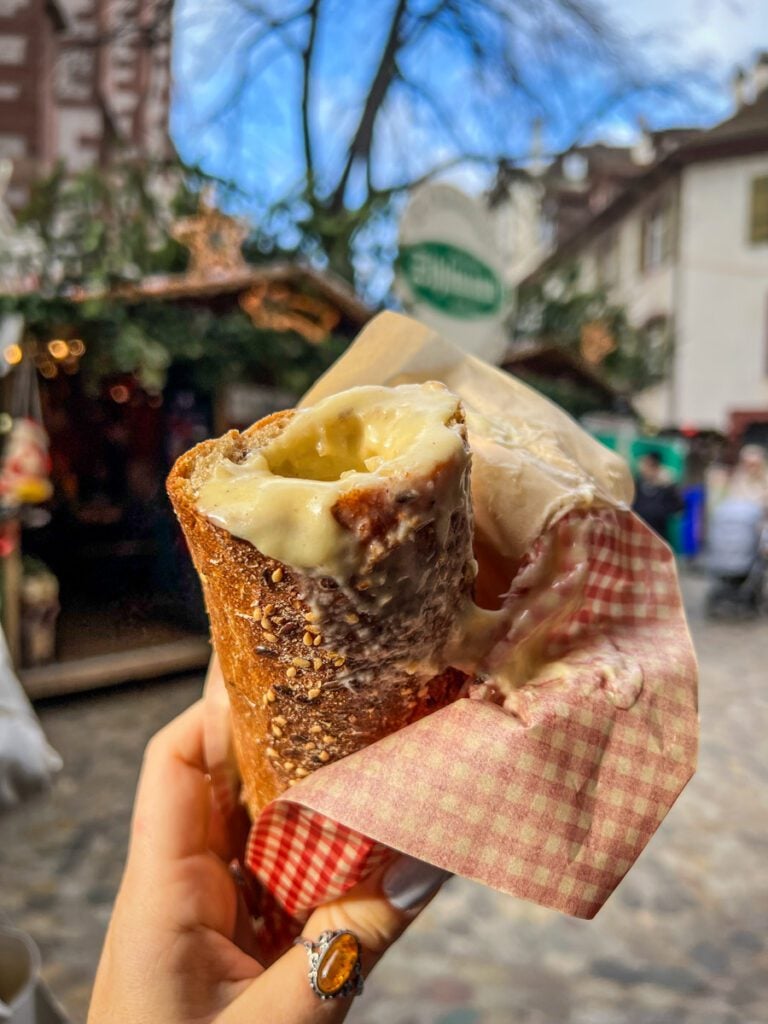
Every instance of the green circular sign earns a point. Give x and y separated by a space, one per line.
452 280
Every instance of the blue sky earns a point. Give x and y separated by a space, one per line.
714 35
261 150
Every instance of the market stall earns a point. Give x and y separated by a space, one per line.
115 383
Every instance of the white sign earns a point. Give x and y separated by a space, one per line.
449 271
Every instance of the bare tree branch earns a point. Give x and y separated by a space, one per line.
306 62
436 171
385 73
506 61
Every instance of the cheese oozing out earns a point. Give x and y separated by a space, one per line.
280 497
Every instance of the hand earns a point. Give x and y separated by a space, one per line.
218 742
180 944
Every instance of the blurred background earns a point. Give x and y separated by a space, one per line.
201 204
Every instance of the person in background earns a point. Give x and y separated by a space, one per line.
749 480
657 498
737 535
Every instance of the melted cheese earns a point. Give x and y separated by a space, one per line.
281 497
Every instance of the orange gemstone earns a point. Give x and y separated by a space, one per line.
337 964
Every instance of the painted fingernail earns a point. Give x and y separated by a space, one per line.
408 883
247 885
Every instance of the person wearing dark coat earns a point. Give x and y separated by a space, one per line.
657 498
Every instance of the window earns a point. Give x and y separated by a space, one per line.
655 337
656 237
547 228
575 167
547 221
758 219
607 260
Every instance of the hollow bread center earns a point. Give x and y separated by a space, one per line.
281 497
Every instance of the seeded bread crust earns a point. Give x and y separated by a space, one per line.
309 687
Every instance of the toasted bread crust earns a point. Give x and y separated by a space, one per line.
305 690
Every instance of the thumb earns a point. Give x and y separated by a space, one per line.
217 739
377 912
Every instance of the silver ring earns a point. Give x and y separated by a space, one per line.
334 964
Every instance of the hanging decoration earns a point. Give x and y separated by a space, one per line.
24 477
213 238
26 465
278 307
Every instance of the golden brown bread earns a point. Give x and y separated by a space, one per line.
315 670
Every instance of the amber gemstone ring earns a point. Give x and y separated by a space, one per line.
334 964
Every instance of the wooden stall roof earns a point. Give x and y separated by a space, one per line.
545 359
324 284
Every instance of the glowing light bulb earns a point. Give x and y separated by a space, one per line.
59 349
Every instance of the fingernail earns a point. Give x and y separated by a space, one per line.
249 888
408 882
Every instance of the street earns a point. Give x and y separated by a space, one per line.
682 940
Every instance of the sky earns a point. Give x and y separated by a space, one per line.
717 35
261 150
722 33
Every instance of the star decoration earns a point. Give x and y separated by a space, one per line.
213 239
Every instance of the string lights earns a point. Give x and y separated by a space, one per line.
50 358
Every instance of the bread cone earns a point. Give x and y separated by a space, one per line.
320 664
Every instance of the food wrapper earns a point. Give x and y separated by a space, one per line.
546 786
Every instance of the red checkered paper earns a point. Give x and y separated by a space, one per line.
548 792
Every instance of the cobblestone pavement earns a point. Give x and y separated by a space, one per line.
683 940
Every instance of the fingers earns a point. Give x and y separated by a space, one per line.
175 815
217 737
377 911
229 822
172 809
380 908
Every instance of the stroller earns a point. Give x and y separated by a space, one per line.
736 558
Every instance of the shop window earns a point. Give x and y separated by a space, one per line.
656 237
758 214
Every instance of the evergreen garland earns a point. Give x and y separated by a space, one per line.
556 311
103 228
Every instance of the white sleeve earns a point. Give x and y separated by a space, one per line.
26 760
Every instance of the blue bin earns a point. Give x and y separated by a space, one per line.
692 524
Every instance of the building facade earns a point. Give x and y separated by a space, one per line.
683 246
80 81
